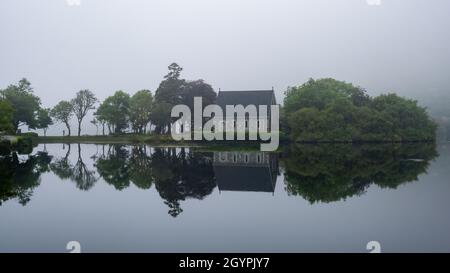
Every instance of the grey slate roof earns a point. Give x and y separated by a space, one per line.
256 97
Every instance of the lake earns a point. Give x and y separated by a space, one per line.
307 198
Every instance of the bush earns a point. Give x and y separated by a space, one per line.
29 134
5 147
331 111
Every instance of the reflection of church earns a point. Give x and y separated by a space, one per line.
245 171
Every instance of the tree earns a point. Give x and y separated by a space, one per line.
82 103
115 111
95 122
24 103
333 111
44 120
6 116
170 92
194 89
160 116
410 122
171 88
100 118
198 88
140 110
63 112
320 93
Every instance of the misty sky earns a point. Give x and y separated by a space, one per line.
109 45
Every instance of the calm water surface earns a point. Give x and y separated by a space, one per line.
307 198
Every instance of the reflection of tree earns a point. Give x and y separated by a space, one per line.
61 167
81 175
140 168
114 167
177 176
78 173
43 160
330 173
181 176
18 179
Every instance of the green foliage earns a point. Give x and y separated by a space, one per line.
6 117
115 111
161 116
140 110
24 103
172 91
44 120
22 144
327 110
409 121
29 134
198 88
169 93
171 88
63 112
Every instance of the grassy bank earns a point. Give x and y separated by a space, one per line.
167 141
120 139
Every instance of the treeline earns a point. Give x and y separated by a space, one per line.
117 114
143 111
324 110
327 110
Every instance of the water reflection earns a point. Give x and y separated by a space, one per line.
19 176
181 174
177 174
79 173
327 173
317 173
246 171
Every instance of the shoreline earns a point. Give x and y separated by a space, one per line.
166 139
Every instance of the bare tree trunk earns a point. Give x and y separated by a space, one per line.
68 129
79 128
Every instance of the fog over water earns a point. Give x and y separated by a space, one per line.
109 45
